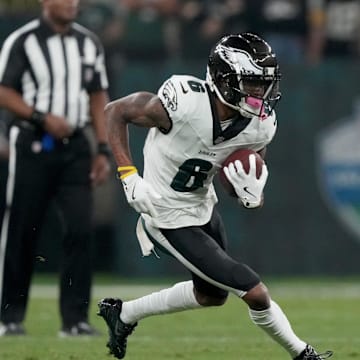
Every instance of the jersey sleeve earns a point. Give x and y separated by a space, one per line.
178 99
13 62
272 127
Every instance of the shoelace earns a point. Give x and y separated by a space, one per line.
322 356
326 354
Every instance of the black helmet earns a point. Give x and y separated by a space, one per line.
242 59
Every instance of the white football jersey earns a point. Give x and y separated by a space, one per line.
181 163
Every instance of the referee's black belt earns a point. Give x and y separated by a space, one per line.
30 128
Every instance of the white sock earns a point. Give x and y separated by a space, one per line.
275 323
177 298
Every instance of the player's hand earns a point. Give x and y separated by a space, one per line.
140 194
57 126
248 187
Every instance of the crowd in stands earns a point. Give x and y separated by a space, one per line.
153 30
299 30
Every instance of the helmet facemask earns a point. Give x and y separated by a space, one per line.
232 73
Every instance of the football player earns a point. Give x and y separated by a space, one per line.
194 126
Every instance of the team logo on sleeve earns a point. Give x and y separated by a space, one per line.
170 96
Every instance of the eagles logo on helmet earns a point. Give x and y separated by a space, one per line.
237 60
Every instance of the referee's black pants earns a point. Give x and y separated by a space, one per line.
39 173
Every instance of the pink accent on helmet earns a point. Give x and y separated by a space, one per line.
257 104
254 102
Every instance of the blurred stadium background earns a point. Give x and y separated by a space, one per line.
309 225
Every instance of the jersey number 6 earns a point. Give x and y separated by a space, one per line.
191 175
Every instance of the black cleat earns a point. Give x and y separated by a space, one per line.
310 354
110 310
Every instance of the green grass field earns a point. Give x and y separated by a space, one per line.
324 312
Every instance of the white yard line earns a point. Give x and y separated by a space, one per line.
99 291
330 290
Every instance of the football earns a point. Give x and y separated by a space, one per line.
243 156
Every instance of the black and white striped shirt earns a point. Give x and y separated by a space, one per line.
54 72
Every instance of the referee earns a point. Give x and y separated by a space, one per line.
53 80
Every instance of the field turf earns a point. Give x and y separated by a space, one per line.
325 312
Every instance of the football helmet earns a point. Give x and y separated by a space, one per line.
239 63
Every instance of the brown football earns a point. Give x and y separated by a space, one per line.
243 156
